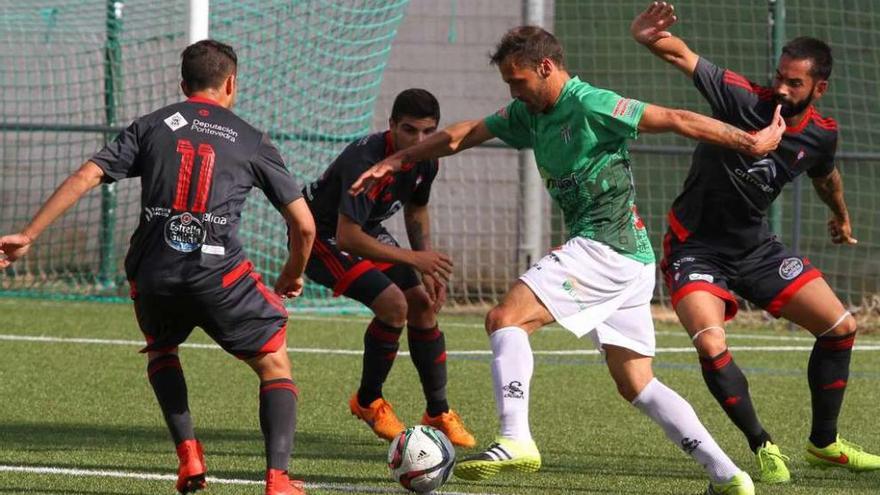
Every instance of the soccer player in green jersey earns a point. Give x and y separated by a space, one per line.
600 282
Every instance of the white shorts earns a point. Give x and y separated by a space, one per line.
591 289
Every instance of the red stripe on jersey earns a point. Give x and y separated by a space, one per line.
680 231
734 79
802 124
329 259
202 99
826 123
187 156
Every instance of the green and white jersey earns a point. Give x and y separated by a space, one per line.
580 146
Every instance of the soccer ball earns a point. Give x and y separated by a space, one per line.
421 458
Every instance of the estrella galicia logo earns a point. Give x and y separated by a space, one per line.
184 233
689 445
513 391
790 268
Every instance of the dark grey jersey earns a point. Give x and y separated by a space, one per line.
727 194
197 162
328 196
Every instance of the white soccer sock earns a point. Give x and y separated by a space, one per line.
683 427
511 375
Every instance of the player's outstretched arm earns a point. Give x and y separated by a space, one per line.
830 190
301 230
650 28
658 119
418 229
449 141
86 178
351 237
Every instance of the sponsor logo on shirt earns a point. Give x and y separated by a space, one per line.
184 233
701 276
624 108
151 212
760 174
176 121
213 129
791 268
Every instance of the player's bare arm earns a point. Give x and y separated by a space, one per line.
351 238
830 190
301 228
449 141
658 119
86 178
418 229
650 28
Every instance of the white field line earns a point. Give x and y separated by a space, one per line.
555 328
358 352
335 487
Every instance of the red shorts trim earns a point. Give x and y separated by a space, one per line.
351 275
781 299
730 306
236 273
275 342
273 298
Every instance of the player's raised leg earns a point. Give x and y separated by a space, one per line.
636 383
278 398
815 307
702 313
427 348
509 325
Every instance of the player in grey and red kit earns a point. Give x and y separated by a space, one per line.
197 161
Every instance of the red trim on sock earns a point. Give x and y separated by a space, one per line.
835 385
441 358
424 335
282 385
391 356
732 401
162 363
718 362
376 330
837 343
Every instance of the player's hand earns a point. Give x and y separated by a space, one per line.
436 289
13 247
378 171
768 138
288 286
652 24
432 263
841 231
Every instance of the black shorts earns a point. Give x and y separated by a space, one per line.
355 277
245 317
767 276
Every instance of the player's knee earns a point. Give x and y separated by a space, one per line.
497 318
711 342
391 307
271 365
419 304
845 327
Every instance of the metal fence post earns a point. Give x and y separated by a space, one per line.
532 221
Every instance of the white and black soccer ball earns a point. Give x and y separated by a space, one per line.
421 458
